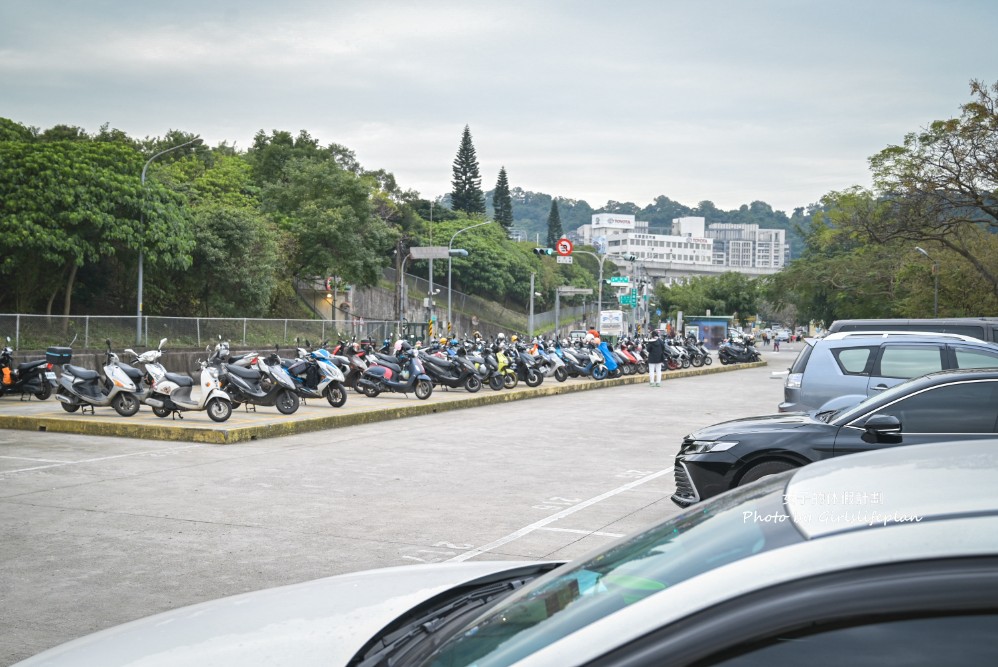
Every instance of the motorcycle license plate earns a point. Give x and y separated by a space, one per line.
49 375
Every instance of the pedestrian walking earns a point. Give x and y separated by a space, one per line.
776 344
656 357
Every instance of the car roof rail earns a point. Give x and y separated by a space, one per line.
842 335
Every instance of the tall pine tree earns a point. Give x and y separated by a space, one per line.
467 195
502 202
555 231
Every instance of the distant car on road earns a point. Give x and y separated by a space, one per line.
932 408
851 559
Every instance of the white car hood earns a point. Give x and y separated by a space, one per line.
322 622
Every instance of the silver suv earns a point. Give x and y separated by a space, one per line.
845 368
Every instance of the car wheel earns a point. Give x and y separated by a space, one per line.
765 469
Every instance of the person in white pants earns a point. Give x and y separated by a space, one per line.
656 357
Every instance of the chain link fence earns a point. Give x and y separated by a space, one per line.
37 332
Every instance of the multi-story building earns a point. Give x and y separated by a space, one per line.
693 248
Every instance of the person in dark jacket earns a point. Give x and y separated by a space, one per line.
656 357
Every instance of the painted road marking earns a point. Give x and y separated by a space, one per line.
537 525
581 532
29 458
97 460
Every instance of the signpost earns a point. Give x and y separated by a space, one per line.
611 322
563 247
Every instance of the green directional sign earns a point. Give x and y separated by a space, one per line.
620 281
627 300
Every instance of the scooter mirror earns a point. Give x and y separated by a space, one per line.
162 342
107 341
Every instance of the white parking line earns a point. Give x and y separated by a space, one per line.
28 458
581 532
568 511
97 460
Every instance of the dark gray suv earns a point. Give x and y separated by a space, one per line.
845 368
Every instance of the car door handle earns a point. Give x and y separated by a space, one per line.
880 387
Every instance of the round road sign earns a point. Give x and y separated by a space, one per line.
563 247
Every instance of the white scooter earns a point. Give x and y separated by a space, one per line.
172 393
82 388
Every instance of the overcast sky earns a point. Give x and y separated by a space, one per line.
732 101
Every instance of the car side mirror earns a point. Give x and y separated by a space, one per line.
883 425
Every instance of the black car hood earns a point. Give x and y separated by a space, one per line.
768 423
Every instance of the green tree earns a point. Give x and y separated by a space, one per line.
66 204
555 231
329 213
502 202
467 193
730 293
942 185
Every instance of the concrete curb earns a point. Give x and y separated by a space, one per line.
220 434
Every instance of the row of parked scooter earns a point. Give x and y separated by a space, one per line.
227 381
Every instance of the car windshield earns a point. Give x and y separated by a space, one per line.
732 526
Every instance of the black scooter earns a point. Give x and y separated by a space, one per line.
31 378
737 352
408 376
268 384
452 372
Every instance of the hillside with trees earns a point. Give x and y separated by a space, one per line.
224 232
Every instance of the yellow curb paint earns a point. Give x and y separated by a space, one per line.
225 433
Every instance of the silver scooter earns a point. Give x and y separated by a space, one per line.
172 393
82 388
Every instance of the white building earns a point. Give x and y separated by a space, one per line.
694 248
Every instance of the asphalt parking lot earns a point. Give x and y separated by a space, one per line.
102 530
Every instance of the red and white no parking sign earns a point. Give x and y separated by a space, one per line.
563 247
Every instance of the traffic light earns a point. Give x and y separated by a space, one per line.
543 251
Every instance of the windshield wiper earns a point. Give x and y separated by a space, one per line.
387 649
826 415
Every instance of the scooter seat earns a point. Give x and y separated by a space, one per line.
180 380
28 365
81 373
133 373
246 373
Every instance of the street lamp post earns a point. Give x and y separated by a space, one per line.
450 248
138 317
935 288
601 259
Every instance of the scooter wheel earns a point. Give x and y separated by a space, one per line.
686 363
424 388
161 412
534 378
287 402
495 383
370 391
219 410
642 368
560 374
600 372
472 384
125 404
45 393
68 407
708 361
336 394
510 380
